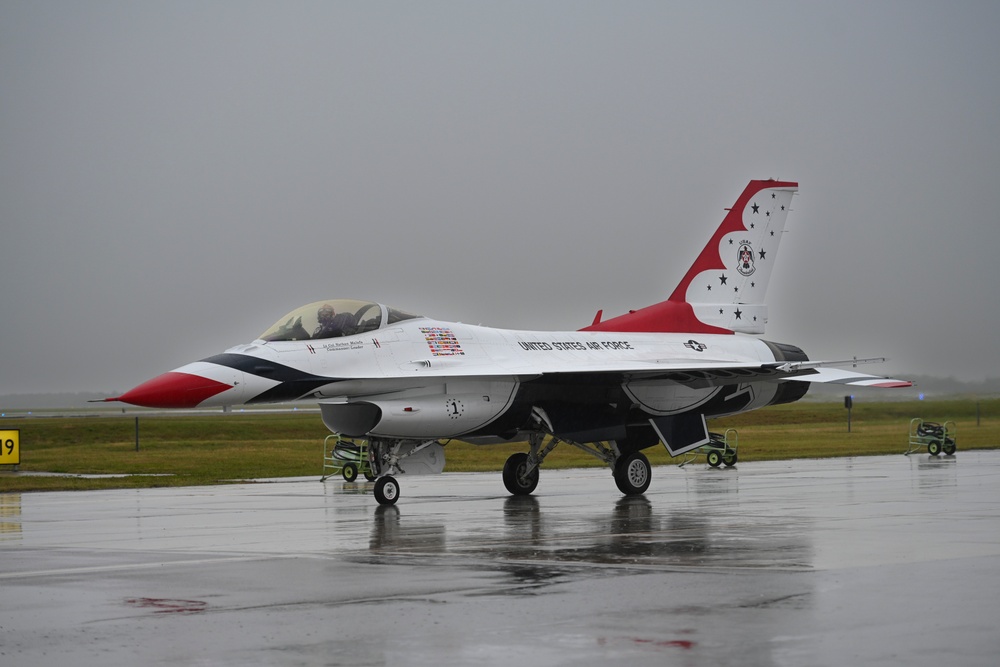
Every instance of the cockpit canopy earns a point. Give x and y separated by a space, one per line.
332 319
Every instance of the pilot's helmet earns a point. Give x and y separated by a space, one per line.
325 313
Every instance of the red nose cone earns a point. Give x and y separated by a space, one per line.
173 390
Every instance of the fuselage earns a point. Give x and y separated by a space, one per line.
425 378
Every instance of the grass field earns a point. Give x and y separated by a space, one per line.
216 448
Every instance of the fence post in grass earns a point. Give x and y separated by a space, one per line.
137 434
848 403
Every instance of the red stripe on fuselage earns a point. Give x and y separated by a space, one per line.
663 317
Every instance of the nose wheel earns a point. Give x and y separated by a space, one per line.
386 490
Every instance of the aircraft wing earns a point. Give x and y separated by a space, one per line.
690 372
718 372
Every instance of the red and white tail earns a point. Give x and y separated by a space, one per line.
723 291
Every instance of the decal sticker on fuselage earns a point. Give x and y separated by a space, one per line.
744 262
455 408
442 341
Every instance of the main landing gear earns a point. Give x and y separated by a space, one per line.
632 472
517 477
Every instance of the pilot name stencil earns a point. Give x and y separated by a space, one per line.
344 345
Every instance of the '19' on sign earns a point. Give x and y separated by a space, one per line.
10 451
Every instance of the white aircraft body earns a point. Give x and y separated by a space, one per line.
404 383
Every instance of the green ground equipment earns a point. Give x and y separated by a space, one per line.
347 457
721 449
937 438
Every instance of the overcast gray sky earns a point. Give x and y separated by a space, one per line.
175 176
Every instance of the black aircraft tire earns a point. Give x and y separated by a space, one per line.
633 474
513 472
350 472
386 490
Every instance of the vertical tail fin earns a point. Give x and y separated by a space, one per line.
724 289
726 285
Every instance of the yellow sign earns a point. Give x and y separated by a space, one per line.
10 448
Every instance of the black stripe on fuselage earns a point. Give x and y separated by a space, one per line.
294 384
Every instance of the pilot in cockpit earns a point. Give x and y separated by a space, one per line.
325 316
332 325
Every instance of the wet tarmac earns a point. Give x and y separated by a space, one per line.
878 560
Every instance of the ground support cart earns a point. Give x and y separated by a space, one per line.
935 437
346 457
721 449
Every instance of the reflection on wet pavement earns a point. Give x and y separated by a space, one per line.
865 560
632 531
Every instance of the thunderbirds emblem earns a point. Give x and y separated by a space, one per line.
744 259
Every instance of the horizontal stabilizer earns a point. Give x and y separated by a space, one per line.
850 377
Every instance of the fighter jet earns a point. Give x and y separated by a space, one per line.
402 383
